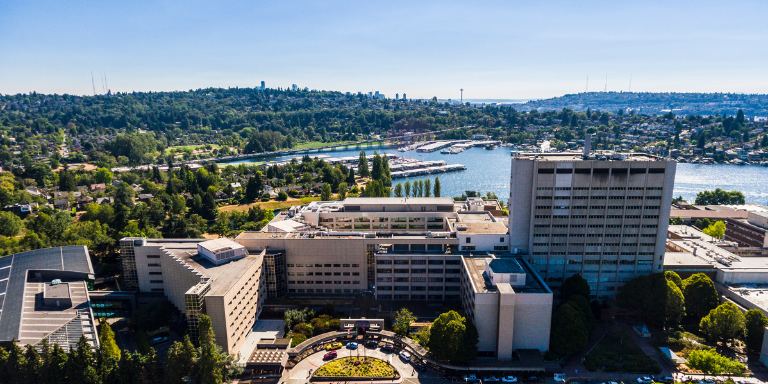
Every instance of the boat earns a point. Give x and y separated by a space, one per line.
491 147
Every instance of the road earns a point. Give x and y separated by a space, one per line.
299 374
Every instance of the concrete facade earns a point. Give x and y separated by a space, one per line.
605 219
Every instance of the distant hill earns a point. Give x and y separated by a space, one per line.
657 103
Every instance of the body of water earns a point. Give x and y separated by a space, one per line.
488 171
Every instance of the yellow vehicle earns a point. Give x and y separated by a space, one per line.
331 346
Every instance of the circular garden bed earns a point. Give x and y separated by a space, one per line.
357 367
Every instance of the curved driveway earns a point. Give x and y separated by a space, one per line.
300 372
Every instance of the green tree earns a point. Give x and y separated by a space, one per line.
700 296
422 336
403 321
755 323
10 224
108 354
57 368
362 165
716 230
81 365
34 365
675 278
725 323
128 370
254 186
154 370
427 187
209 365
326 194
67 181
180 361
711 362
282 196
407 188
303 329
676 220
719 197
568 333
342 191
574 285
103 175
450 339
398 190
16 364
292 317
437 187
675 308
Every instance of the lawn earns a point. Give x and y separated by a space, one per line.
357 367
617 352
270 204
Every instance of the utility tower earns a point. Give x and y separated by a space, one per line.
93 83
462 95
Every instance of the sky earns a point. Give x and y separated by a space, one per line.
493 50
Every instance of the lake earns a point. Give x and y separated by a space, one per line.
488 170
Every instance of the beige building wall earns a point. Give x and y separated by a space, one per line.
532 321
234 311
506 323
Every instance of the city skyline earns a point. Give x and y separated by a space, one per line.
511 51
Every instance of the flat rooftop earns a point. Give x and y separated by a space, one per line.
397 200
58 291
476 267
577 156
223 275
674 260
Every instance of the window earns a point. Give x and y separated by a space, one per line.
156 281
469 240
153 265
153 256
155 273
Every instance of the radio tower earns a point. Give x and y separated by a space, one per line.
93 83
586 90
630 82
606 84
462 96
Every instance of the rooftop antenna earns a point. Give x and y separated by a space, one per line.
93 83
606 83
462 96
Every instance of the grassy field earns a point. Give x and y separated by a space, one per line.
357 367
617 352
270 204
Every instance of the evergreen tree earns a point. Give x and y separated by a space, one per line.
325 194
57 369
128 371
378 169
33 367
755 323
437 187
17 364
81 365
209 365
108 354
427 187
351 177
342 191
153 368
45 362
253 187
362 165
407 188
399 190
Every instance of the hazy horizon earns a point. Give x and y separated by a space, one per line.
514 50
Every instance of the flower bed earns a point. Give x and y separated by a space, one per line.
357 367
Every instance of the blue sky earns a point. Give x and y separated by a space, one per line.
502 49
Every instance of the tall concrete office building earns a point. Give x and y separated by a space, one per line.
603 216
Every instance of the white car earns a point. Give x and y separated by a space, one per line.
405 355
644 380
509 379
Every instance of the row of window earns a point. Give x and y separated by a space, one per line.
417 297
337 282
324 265
381 279
416 270
596 207
418 262
600 188
430 288
593 235
366 219
323 273
594 216
320 290
607 225
563 244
